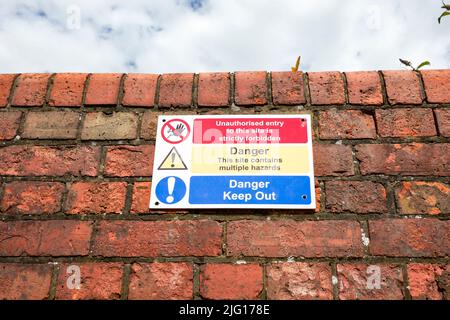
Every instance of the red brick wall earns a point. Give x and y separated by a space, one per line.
75 165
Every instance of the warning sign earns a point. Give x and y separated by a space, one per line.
233 162
173 161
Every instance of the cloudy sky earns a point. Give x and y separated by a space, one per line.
159 36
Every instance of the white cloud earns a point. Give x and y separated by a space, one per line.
220 35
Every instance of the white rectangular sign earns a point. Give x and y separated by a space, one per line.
233 161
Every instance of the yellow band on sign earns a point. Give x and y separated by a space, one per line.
250 158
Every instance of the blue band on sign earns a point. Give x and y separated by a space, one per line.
250 190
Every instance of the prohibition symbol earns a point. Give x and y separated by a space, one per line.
175 131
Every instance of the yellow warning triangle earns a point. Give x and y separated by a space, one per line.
172 161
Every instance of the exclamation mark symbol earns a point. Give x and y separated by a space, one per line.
170 187
173 159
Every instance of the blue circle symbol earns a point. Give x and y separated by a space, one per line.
170 190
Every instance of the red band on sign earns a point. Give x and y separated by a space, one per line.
250 130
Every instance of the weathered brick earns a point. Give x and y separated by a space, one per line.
294 238
158 238
406 159
443 121
114 126
361 282
139 90
161 281
326 88
429 281
287 88
96 197
364 88
25 160
409 237
98 280
103 89
32 197
31 90
6 82
402 87
437 85
355 196
346 124
9 124
423 197
67 90
149 124
25 281
45 238
405 122
299 281
141 197
129 161
213 89
231 281
51 125
250 88
333 160
176 90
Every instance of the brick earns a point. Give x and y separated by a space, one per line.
437 85
360 282
98 280
333 160
406 159
250 88
429 281
103 89
129 161
149 125
423 198
141 197
214 89
443 121
346 124
32 197
9 124
318 193
355 196
25 160
114 126
139 90
326 88
25 281
158 238
96 197
67 90
51 125
176 90
364 88
231 281
405 122
31 90
299 281
6 82
287 88
294 238
45 238
409 237
161 281
402 87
